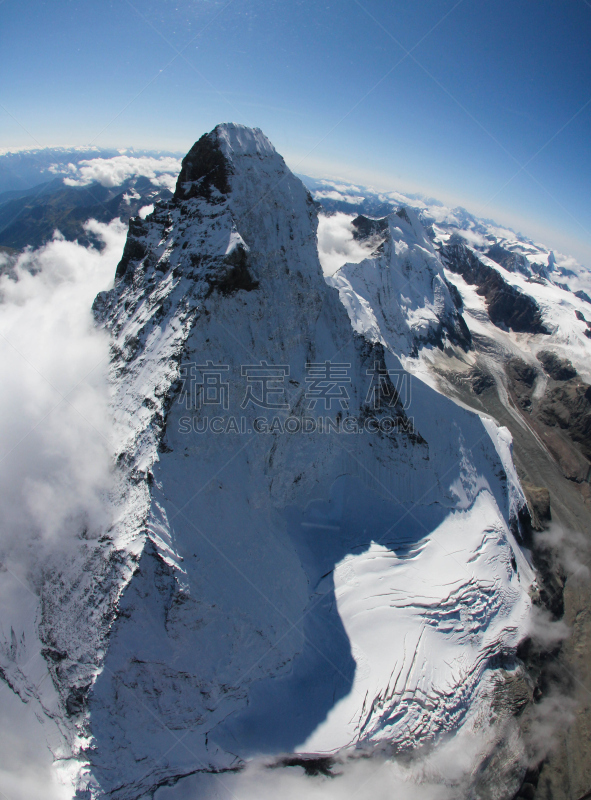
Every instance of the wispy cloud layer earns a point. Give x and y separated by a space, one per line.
54 429
111 172
55 469
336 245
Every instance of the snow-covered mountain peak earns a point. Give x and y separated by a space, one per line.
405 225
399 295
282 585
236 175
399 230
219 161
238 140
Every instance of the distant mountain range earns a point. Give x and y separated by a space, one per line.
24 169
39 195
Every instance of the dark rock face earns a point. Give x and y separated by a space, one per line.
365 228
581 318
237 277
451 329
203 168
568 406
583 296
521 378
455 295
538 500
403 214
480 381
514 262
459 333
507 306
76 700
311 766
560 369
134 250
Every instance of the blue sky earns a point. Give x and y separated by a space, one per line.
484 103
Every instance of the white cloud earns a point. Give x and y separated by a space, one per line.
33 151
114 171
341 187
544 630
55 466
145 210
546 723
474 238
379 779
567 262
442 214
397 197
503 233
568 548
53 422
445 772
26 764
129 196
336 245
334 195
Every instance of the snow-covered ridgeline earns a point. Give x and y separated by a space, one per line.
520 253
400 295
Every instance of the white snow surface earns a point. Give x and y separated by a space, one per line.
276 593
399 295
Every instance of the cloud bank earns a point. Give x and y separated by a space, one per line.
55 467
26 764
447 771
336 245
111 172
333 194
54 428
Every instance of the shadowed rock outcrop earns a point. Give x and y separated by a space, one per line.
560 369
507 306
204 168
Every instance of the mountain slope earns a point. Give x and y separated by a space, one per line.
401 290
32 218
